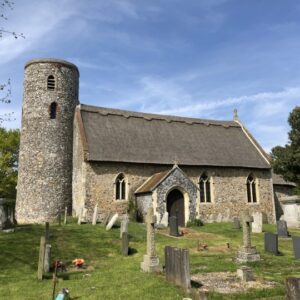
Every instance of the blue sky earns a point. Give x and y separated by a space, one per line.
197 58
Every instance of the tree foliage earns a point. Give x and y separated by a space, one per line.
5 88
9 152
286 160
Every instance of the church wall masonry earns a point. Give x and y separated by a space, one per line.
229 195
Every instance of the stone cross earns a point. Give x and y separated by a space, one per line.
246 223
124 226
151 261
150 220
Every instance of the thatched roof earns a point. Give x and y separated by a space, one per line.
124 136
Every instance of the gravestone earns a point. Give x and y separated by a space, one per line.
282 229
112 222
173 226
247 253
245 273
66 214
296 246
257 224
236 224
124 226
47 232
95 215
47 259
41 258
151 260
125 244
292 285
177 266
79 216
271 243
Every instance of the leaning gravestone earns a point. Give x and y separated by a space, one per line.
125 244
247 252
173 226
296 246
292 285
257 224
124 226
178 266
271 243
236 223
282 229
151 261
41 258
112 222
95 215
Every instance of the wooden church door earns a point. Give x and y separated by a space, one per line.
175 206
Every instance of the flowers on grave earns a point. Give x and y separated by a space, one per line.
59 266
78 262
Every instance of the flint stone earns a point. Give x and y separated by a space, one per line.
282 229
292 285
271 243
257 224
164 219
296 246
173 226
112 222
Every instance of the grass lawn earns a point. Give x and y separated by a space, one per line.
112 276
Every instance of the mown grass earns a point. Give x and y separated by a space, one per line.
112 276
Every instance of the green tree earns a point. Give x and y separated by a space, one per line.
286 160
9 152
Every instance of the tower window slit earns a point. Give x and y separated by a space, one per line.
53 110
51 83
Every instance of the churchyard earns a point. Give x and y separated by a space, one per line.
110 275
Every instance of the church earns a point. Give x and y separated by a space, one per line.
79 156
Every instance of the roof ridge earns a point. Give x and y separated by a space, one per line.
150 116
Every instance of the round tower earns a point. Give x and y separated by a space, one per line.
46 147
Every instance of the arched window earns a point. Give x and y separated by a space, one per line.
53 110
120 187
51 83
204 185
251 189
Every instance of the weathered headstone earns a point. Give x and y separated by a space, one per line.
112 221
47 259
257 225
151 260
245 273
173 226
177 266
292 285
66 214
271 243
125 244
296 246
247 252
41 258
236 224
47 232
95 215
282 229
124 226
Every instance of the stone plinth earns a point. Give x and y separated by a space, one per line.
247 254
150 264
